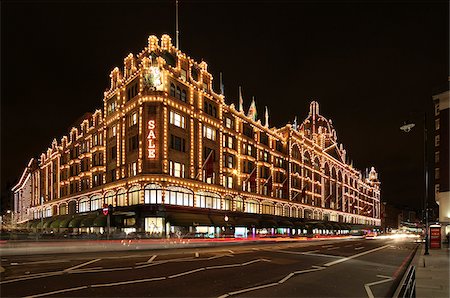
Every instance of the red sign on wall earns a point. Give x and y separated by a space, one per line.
435 237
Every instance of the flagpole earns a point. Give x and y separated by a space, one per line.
206 160
176 25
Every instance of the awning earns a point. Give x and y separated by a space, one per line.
55 223
64 223
87 222
299 224
267 223
75 222
47 222
219 221
188 219
285 224
246 222
100 221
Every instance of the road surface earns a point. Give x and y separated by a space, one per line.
330 268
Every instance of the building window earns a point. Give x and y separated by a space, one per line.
153 194
205 87
251 206
183 74
228 181
436 157
111 106
133 169
176 169
209 133
436 173
177 143
177 120
263 138
208 200
436 109
133 195
133 119
133 143
113 175
84 205
436 124
172 90
183 95
178 93
132 90
229 123
248 130
96 202
229 161
179 196
436 141
113 152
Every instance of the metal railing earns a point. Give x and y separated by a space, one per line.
408 284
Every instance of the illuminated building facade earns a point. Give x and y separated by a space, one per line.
441 165
170 155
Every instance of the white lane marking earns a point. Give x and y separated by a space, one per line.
14 264
90 270
287 277
57 292
186 273
127 282
40 275
358 248
138 280
81 265
311 251
307 254
327 245
367 286
332 248
151 259
43 262
355 256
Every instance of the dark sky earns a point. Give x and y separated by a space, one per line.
370 66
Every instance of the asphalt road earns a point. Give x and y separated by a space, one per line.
331 268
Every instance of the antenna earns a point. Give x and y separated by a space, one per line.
177 41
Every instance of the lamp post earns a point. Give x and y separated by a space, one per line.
406 127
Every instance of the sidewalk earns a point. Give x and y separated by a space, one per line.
432 272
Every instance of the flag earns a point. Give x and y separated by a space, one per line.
222 87
252 113
295 123
284 187
241 100
304 191
269 183
252 180
209 165
267 118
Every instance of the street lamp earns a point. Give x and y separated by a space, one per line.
406 127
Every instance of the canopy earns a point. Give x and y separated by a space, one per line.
188 219
100 221
75 222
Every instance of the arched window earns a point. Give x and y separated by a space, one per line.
308 214
55 210
83 205
63 209
133 195
178 94
179 196
122 197
109 198
183 95
279 210
267 208
286 210
207 200
152 194
48 212
172 90
294 211
227 203
239 204
251 206
72 207
96 202
296 152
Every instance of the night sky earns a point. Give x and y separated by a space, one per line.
370 66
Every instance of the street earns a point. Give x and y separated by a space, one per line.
327 268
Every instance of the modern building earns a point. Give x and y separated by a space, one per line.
441 159
172 157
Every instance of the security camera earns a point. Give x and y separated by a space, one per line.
407 127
